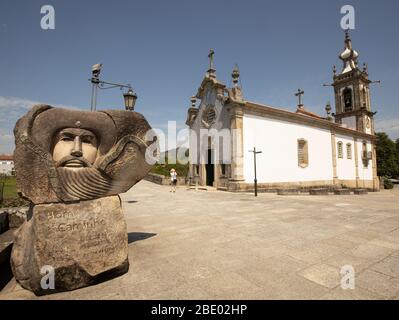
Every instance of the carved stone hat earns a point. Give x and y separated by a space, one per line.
48 123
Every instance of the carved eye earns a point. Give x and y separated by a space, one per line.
66 139
88 140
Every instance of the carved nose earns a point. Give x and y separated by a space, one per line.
77 148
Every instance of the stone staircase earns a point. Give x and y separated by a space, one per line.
321 192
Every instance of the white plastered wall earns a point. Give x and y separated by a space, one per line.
346 168
279 161
365 173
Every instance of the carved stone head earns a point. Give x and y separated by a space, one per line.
66 155
75 148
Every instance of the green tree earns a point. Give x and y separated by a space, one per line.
387 156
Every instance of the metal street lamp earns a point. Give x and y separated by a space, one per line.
130 97
130 100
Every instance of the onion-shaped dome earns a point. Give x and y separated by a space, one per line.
349 55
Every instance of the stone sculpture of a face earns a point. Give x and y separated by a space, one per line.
72 165
66 155
75 148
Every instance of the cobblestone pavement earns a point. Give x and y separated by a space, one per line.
219 245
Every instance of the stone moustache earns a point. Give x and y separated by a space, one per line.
72 165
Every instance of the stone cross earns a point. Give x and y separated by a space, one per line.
255 178
299 95
210 56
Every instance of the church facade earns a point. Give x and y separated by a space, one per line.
298 149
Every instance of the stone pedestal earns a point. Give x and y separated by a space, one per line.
83 242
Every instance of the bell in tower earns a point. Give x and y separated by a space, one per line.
347 97
352 95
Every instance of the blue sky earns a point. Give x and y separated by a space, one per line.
161 48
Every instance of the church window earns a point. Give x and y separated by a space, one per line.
209 116
348 151
347 95
303 156
340 150
364 97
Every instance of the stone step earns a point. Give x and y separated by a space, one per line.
199 188
360 191
288 192
318 192
342 191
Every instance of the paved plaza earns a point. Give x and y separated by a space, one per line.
219 245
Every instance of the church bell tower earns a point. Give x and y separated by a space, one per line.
352 92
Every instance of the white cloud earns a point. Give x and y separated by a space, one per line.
22 103
14 102
11 109
390 126
6 143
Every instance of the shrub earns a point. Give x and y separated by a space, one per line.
164 169
388 183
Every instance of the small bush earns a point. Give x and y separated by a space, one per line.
164 169
388 183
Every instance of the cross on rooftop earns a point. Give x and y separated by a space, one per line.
299 94
210 56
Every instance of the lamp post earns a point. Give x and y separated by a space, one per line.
255 180
129 97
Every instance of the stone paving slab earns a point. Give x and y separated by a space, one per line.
219 245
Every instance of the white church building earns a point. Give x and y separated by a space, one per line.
299 149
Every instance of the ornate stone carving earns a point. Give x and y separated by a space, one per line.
209 116
72 165
111 159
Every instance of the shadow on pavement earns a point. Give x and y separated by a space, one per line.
137 236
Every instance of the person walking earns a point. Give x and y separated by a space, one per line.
173 180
